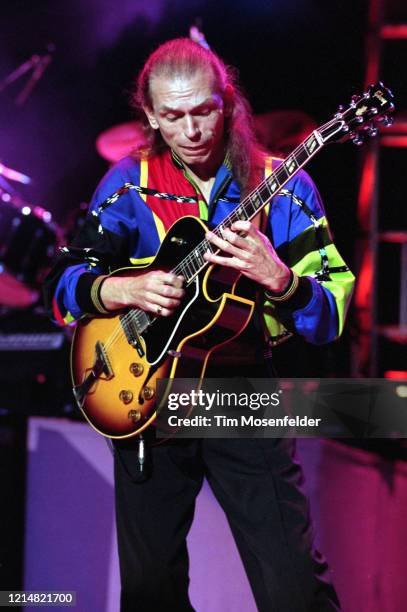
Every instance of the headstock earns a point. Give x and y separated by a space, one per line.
361 118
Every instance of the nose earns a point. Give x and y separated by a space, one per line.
191 128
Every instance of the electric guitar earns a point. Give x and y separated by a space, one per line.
116 359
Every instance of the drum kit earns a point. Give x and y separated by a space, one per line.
28 240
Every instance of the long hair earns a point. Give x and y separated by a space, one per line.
184 57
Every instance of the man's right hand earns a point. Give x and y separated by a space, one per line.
157 291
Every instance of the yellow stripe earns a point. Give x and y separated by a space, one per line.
203 209
160 226
342 289
268 166
341 285
143 183
143 177
141 261
312 261
271 325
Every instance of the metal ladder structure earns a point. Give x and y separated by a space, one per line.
379 348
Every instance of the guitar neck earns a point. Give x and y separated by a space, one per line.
355 123
253 203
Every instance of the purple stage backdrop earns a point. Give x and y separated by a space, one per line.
357 499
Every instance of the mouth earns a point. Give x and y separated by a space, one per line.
195 149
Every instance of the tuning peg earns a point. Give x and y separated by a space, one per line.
372 131
386 120
338 115
358 140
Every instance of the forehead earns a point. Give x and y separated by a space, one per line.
183 91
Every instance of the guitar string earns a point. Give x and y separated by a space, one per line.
257 194
244 206
204 245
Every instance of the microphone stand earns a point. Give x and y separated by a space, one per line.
36 63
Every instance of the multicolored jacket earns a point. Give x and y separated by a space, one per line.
136 203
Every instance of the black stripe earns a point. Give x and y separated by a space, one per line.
309 240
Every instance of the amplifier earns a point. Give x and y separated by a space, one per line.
34 366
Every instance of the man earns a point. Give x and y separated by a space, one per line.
201 158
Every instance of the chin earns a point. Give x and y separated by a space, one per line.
194 159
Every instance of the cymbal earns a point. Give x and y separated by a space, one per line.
118 141
282 131
279 131
14 175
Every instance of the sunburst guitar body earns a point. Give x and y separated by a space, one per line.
116 359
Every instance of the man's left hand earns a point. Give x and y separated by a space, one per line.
250 252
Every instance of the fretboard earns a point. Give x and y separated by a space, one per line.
194 262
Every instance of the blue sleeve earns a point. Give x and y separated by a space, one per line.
302 238
102 245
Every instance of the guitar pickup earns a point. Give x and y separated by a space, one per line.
138 346
101 366
132 335
102 363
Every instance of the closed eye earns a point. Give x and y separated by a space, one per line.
204 112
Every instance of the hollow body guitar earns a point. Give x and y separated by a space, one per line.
116 359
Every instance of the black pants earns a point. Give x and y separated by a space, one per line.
258 484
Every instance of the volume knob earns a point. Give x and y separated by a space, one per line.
126 396
136 369
134 415
148 393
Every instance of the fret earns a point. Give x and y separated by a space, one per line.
254 202
189 261
281 174
207 246
240 214
302 155
191 265
199 257
186 271
194 262
272 183
311 144
218 231
264 192
291 164
196 259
